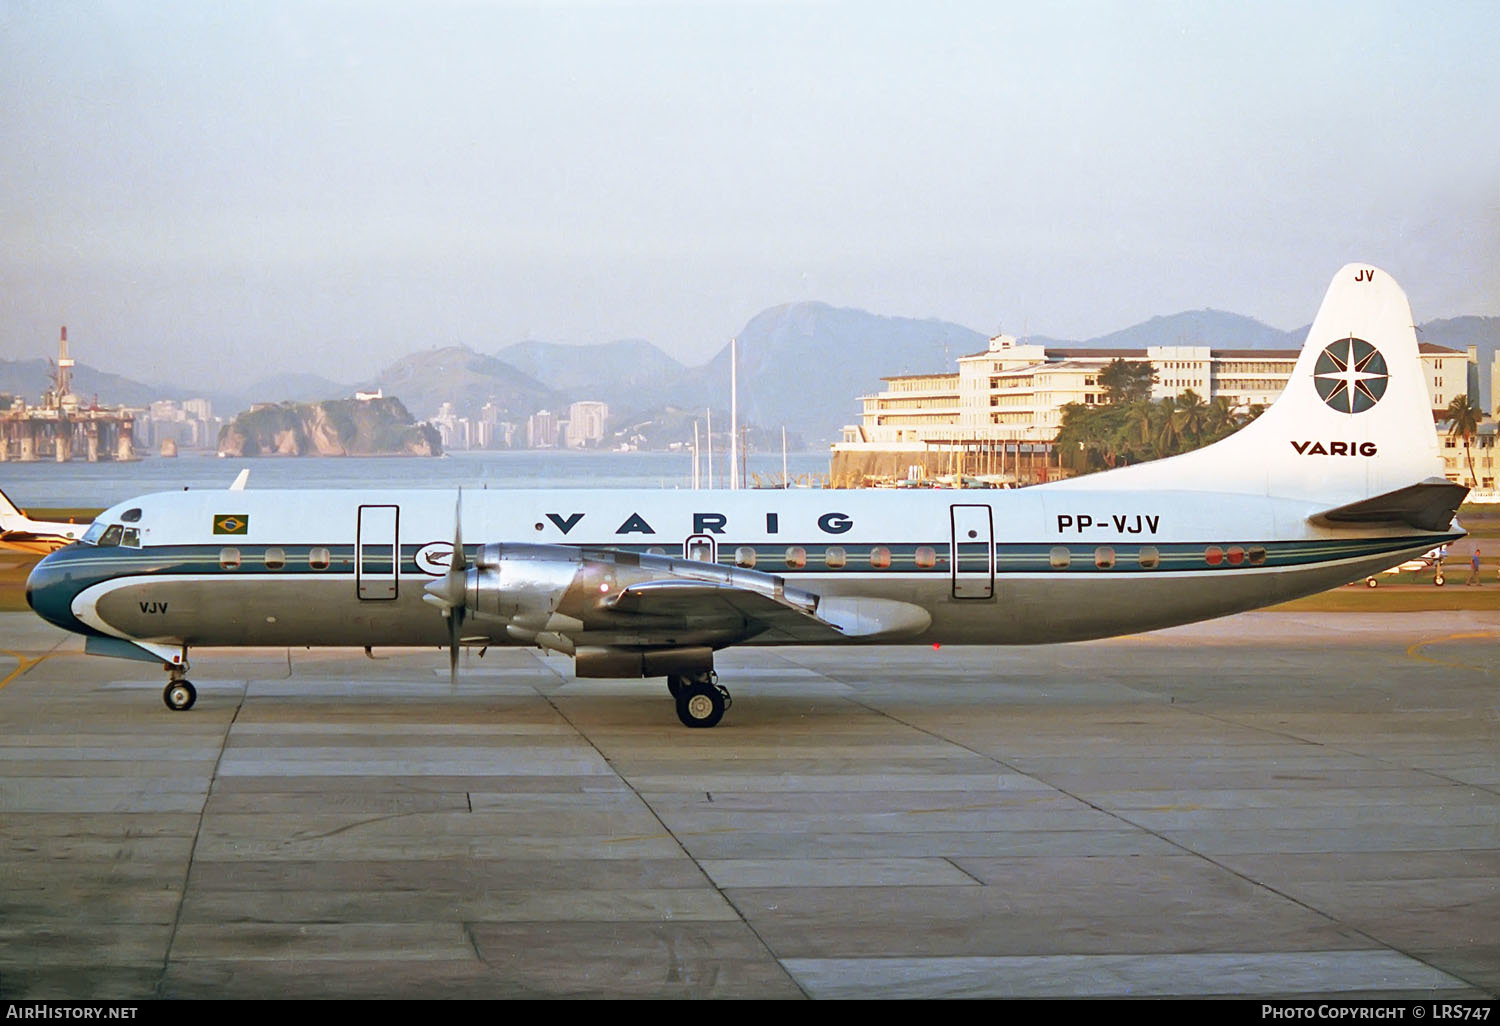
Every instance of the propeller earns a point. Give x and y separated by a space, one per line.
448 591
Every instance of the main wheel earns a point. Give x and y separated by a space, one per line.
674 685
700 704
180 695
1371 582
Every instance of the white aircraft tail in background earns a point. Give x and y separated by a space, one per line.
20 533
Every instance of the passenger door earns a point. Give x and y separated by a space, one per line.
973 552
375 553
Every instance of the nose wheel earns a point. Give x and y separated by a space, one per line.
700 702
180 695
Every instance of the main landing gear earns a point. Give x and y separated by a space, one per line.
179 693
701 700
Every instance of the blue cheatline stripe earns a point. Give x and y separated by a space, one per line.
1010 558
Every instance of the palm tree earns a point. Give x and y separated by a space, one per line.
1463 421
1191 416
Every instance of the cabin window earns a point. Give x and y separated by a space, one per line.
926 557
275 558
880 557
1060 557
1213 555
111 535
1150 557
318 558
229 559
744 556
796 557
655 550
131 516
1257 554
1236 555
1104 557
131 537
835 557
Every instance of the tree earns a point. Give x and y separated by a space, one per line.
1125 381
1463 419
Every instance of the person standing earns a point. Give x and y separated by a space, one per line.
1474 567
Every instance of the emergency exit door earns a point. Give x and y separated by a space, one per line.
375 562
973 552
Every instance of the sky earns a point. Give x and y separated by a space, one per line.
210 193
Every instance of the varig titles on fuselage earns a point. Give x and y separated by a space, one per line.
703 523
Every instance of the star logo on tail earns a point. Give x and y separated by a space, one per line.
1350 375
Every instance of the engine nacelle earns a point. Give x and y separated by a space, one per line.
656 662
521 584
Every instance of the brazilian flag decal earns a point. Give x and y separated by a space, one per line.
231 523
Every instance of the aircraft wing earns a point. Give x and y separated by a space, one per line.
763 605
738 610
32 541
617 598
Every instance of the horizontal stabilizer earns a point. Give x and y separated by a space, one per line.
1428 506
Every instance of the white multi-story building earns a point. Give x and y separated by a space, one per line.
1012 394
586 423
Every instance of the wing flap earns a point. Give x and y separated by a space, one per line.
787 612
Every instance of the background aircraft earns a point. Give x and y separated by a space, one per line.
22 534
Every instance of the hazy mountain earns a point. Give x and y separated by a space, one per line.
30 378
457 374
631 374
802 366
805 365
1215 328
295 387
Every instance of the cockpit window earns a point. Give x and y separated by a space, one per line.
131 516
111 535
91 536
131 538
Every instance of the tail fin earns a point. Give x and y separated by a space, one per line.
9 514
1355 420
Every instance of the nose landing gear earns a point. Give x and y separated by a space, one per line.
179 694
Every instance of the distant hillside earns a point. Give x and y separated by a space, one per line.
294 387
28 379
805 365
468 380
630 374
1214 328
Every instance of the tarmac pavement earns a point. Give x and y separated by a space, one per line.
1273 804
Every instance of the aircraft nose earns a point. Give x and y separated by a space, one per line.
50 589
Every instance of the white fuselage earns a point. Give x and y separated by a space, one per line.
991 567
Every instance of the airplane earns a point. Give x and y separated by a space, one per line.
1338 479
22 534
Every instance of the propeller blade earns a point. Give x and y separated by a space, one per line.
454 628
448 591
